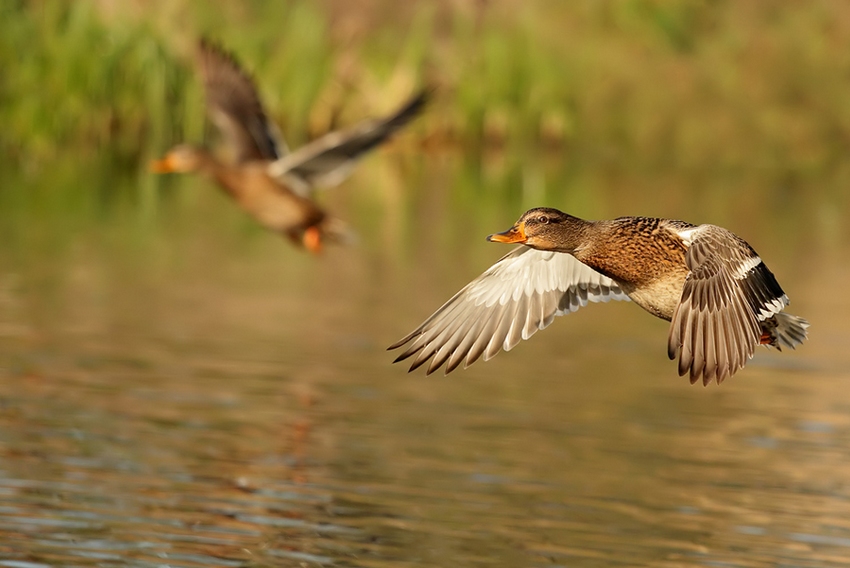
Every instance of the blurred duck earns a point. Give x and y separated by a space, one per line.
268 181
720 297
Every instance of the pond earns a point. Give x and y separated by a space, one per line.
180 388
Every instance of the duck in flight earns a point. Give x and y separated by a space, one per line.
721 299
265 179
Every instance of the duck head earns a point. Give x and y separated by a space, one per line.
180 159
544 228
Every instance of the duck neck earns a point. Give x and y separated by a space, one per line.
207 164
228 177
572 236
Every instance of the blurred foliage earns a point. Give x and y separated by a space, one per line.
718 104
726 112
699 84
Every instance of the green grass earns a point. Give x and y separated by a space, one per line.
735 91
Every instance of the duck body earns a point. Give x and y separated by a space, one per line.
273 184
273 206
248 183
644 256
721 299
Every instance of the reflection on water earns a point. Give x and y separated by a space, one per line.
178 388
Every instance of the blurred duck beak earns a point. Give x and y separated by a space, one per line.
515 234
163 166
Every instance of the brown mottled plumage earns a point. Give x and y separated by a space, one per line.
268 181
720 298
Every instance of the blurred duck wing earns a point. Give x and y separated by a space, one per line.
234 107
329 159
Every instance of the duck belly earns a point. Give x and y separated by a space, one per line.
277 210
658 297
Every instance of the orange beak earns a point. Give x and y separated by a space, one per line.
163 166
515 234
313 240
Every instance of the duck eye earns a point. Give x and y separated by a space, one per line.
543 219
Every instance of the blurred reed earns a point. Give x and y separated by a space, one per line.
706 89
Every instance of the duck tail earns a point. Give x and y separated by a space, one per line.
337 231
784 330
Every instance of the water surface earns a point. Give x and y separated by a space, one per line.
179 388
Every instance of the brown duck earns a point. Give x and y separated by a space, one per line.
721 299
268 181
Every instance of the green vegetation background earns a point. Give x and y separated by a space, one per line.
699 95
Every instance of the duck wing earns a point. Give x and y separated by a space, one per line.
727 294
329 159
235 108
510 301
